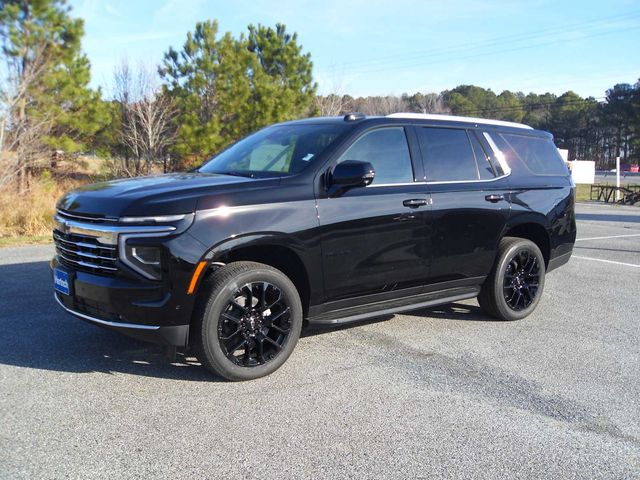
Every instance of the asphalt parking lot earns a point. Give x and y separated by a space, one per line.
445 392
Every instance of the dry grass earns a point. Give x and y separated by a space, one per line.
583 192
29 215
27 219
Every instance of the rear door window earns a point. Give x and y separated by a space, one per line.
539 155
447 154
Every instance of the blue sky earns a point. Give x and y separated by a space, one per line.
372 47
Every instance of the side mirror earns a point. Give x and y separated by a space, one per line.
349 174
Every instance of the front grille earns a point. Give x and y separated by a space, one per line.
82 252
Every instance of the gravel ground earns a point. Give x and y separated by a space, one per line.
444 392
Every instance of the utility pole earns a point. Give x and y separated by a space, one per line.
618 178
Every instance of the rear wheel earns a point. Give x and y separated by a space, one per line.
514 287
248 321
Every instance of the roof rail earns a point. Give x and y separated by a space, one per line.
455 118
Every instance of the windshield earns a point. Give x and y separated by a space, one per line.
275 151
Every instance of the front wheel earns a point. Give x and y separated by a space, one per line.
248 321
514 287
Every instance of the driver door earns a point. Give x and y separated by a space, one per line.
375 239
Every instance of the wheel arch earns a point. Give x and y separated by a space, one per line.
270 249
534 231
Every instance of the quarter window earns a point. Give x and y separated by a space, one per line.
484 166
447 154
539 155
387 150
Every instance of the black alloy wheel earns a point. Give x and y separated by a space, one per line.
247 321
515 285
521 280
255 324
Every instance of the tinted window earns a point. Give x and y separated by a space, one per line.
387 150
275 150
540 155
448 155
484 167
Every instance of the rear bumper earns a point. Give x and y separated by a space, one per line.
177 335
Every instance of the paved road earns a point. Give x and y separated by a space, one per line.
436 393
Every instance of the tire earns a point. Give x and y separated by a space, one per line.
514 287
252 303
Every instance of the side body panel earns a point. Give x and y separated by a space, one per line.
466 228
371 242
549 202
288 220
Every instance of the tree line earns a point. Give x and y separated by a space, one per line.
217 88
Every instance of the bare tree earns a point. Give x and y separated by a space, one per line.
147 116
21 135
332 104
332 101
428 103
380 105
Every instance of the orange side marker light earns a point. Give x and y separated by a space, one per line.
196 276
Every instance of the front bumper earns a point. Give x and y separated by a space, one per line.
177 335
143 311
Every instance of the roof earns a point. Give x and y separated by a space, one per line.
454 118
428 117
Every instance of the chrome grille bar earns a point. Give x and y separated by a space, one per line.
85 218
56 236
85 254
87 264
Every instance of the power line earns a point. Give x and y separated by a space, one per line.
491 42
487 53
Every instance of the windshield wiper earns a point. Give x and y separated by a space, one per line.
236 173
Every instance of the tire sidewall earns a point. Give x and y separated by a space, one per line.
504 309
218 301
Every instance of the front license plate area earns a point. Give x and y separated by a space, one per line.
62 281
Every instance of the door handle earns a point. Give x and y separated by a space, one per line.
493 198
415 202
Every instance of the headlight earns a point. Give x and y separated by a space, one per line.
144 259
136 248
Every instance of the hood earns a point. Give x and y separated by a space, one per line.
154 195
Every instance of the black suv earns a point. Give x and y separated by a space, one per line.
325 221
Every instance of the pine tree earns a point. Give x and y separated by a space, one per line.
41 49
284 89
226 88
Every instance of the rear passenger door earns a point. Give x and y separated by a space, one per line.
470 207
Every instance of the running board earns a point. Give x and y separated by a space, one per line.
414 302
